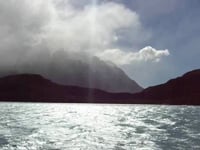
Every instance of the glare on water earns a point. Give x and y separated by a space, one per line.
89 126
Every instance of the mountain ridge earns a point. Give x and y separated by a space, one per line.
183 90
78 70
35 88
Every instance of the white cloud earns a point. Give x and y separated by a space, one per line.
33 32
119 57
91 29
52 25
61 25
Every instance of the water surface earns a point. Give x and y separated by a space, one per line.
105 127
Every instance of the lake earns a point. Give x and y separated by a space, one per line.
38 126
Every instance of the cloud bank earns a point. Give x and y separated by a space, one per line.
36 34
48 25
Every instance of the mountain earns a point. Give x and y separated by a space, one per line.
94 74
182 90
35 88
77 70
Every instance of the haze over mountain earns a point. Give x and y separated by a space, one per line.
74 69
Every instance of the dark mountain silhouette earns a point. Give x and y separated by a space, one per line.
182 90
35 88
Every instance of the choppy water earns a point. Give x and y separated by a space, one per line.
106 127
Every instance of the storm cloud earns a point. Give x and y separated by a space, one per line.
36 34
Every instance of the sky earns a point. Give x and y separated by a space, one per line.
152 41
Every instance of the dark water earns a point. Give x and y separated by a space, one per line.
102 127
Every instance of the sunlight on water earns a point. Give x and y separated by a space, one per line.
87 126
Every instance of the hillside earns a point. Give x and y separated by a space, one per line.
181 90
184 90
35 88
76 70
